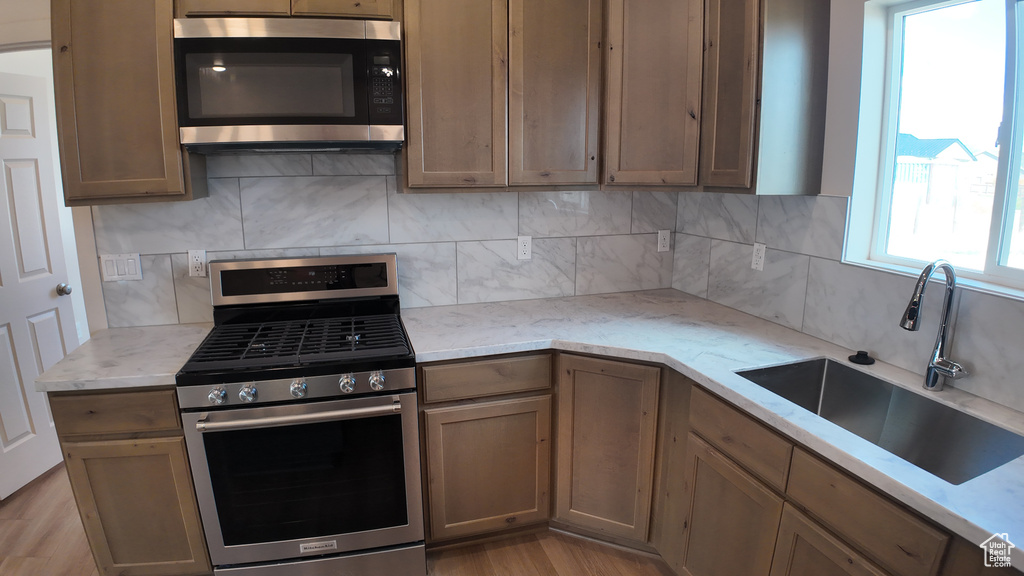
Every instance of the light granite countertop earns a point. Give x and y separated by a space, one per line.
702 340
125 358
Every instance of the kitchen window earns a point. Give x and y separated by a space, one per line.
946 91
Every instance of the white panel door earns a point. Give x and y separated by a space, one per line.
37 327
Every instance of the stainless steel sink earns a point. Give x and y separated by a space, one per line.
946 442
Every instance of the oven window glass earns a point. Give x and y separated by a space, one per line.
269 85
308 480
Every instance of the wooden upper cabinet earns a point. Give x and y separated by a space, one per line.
653 98
382 9
607 426
730 90
116 117
201 8
554 91
456 55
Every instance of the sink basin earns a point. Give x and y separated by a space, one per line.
950 444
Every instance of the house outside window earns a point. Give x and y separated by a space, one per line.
942 90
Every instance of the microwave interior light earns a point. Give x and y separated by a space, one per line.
218 68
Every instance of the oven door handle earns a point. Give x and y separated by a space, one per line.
291 419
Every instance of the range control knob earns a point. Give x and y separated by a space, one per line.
218 396
347 383
248 393
377 380
298 388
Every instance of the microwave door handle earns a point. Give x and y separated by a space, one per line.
271 421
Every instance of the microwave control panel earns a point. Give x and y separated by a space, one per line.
385 97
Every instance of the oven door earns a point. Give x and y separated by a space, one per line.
315 478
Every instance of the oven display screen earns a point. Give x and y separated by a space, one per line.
303 279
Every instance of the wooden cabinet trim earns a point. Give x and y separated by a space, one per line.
485 378
203 8
894 538
477 493
353 8
80 415
752 445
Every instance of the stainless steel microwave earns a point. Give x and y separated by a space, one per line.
279 83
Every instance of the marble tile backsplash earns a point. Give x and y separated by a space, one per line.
805 286
452 248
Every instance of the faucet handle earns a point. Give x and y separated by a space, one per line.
949 368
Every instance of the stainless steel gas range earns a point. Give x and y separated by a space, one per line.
299 411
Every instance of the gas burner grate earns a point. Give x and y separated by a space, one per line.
299 342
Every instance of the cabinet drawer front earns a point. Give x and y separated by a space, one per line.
355 8
78 414
753 446
894 538
445 382
185 8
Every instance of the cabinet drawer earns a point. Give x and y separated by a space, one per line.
894 538
81 414
444 382
761 451
353 8
185 8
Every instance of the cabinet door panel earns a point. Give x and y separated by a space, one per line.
186 8
730 88
456 55
607 414
806 549
554 89
137 505
733 518
488 466
653 106
354 8
114 78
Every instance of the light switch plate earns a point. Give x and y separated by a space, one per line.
114 267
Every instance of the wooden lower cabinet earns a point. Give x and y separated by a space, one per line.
806 549
488 466
607 424
331 8
136 502
733 517
126 460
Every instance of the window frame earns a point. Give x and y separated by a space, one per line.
996 276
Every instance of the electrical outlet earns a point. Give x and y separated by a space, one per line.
524 248
663 240
757 262
197 263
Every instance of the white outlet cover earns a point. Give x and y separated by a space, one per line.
757 260
524 248
197 263
664 237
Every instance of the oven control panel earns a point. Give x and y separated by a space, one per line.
235 394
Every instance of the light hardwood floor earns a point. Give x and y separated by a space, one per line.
41 535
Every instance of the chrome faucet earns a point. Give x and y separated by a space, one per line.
938 366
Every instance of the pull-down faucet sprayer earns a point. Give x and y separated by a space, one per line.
938 365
